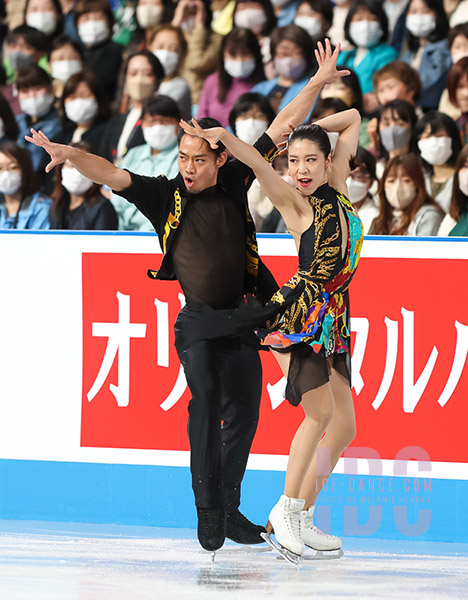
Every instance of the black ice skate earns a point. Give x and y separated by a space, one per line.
211 527
242 531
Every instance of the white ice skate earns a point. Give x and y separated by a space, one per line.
285 522
316 539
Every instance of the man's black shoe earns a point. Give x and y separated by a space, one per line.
239 529
211 527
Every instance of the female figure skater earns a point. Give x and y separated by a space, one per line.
308 329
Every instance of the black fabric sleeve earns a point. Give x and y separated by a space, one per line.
151 195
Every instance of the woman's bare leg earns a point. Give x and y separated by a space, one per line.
339 434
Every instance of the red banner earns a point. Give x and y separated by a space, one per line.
410 341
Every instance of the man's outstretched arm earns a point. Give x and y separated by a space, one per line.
94 167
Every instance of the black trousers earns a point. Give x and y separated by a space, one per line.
225 378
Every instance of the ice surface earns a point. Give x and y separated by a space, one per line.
59 561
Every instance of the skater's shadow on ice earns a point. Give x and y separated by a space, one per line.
230 577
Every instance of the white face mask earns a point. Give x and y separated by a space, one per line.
357 190
93 32
36 106
310 24
239 68
149 16
64 69
463 181
74 182
81 110
436 150
10 182
249 130
250 18
365 34
160 137
400 196
188 25
168 59
45 22
420 25
456 56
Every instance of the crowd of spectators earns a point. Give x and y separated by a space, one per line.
115 77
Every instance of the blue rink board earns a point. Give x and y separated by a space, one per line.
430 509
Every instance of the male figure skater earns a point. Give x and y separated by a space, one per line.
208 239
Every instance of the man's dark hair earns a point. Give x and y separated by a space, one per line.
206 123
163 106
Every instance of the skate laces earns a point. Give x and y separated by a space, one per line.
292 519
309 523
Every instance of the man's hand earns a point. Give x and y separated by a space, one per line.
211 135
58 152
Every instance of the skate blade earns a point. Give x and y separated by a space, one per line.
285 554
324 554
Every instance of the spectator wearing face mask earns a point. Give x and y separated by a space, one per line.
36 98
241 67
24 46
315 17
258 16
77 202
151 13
458 46
285 11
142 74
203 44
457 85
66 59
157 156
45 16
427 26
455 222
395 125
22 206
294 63
170 48
366 28
102 56
84 110
437 141
8 126
250 117
405 207
360 181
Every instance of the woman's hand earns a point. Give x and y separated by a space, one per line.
326 60
58 152
211 135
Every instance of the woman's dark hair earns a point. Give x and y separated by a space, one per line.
245 102
96 88
399 109
58 10
365 160
155 65
352 81
241 41
33 76
373 6
412 166
456 73
460 29
323 106
323 7
437 120
161 105
206 123
29 178
313 133
269 12
61 196
459 201
64 40
441 28
86 6
32 37
9 122
300 37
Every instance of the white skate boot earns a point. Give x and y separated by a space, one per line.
285 523
313 537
